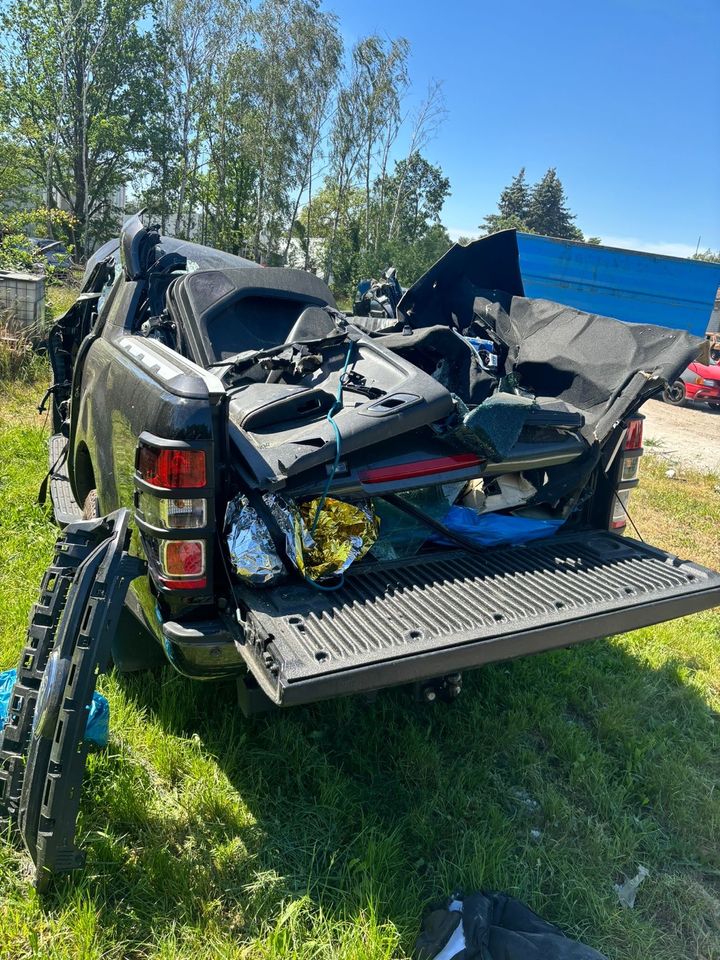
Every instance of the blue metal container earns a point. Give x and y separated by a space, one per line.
626 284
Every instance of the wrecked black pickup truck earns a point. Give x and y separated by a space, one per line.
251 483
326 504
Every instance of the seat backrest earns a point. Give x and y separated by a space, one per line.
225 312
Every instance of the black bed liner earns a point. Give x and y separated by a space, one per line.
437 613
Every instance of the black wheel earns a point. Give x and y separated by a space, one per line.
675 393
91 507
714 405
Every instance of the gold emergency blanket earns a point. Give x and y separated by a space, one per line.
344 533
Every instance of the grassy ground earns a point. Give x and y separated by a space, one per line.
324 831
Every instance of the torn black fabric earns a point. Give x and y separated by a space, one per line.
488 267
495 927
595 364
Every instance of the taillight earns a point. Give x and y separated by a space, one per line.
175 511
619 513
169 467
630 468
627 473
634 435
183 563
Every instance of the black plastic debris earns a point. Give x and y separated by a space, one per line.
43 748
494 926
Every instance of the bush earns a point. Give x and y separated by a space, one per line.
19 360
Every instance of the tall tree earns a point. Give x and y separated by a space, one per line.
548 212
385 69
426 123
320 53
347 144
710 256
424 191
513 207
79 74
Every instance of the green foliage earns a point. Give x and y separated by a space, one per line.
710 256
406 230
19 360
513 207
548 211
541 209
422 190
16 251
15 178
79 81
234 121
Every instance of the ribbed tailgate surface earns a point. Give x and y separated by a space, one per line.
445 599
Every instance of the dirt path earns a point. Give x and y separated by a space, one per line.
686 436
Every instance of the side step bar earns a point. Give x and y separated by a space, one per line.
445 612
65 508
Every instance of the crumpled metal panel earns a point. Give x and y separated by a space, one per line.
630 285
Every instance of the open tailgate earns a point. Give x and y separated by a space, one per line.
435 614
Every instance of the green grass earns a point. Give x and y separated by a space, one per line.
323 832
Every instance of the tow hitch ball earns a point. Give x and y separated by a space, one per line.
440 688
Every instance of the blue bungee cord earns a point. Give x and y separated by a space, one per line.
334 409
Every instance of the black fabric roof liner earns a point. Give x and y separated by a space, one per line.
464 272
597 365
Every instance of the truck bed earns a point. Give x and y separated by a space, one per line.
438 613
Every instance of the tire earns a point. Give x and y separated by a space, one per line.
675 394
91 508
714 405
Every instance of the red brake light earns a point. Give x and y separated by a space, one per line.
420 468
171 467
634 435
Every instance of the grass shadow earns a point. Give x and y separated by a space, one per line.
550 778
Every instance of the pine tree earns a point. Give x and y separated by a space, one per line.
512 207
515 199
548 212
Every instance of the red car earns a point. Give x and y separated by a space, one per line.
700 382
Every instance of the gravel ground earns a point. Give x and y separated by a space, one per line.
687 436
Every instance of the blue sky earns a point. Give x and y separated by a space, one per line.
622 96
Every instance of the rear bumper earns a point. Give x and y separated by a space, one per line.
706 393
202 650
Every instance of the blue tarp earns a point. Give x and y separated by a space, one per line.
97 729
493 529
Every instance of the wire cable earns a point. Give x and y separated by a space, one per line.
632 522
334 409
